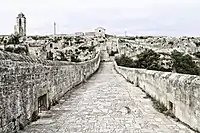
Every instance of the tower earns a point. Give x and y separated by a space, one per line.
20 28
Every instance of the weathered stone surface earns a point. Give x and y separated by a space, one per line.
106 103
24 79
180 90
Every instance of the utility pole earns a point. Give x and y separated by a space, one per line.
54 28
125 33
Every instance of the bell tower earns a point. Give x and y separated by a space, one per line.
20 28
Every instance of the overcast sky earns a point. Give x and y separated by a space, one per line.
137 17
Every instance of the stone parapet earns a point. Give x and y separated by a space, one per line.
25 80
180 93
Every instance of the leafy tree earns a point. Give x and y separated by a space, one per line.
148 59
14 39
184 64
124 60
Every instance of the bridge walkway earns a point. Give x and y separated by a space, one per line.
106 103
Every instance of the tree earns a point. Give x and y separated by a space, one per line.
13 39
148 59
124 60
184 64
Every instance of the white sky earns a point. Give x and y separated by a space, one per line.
137 17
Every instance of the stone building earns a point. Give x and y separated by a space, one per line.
90 34
20 28
100 32
79 34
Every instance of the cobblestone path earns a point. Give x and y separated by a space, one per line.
106 103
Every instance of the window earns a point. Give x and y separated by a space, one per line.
51 45
99 30
20 22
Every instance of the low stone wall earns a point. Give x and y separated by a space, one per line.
180 93
23 80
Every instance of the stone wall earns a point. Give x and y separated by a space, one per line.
23 80
180 93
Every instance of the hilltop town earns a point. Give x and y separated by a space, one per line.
41 80
82 46
76 48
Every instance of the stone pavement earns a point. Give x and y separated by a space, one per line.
106 103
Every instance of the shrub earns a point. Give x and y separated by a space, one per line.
91 48
197 54
13 39
197 44
21 50
75 58
60 56
124 60
159 106
170 42
184 64
9 49
148 59
131 38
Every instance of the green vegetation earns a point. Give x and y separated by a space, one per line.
39 37
74 58
197 44
147 60
197 54
150 60
34 116
159 106
18 49
79 40
184 64
56 39
124 60
91 48
13 39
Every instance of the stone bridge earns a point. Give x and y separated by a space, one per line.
104 103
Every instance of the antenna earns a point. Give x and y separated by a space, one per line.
54 28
